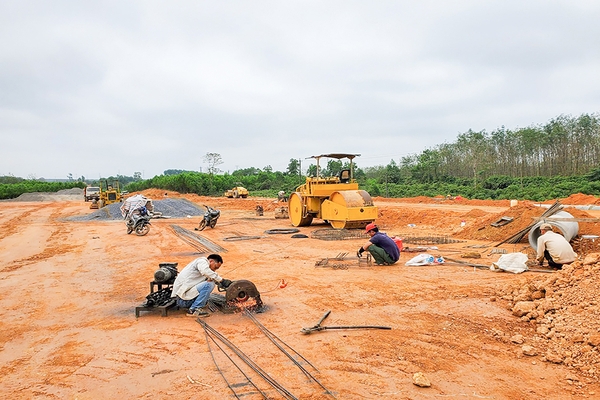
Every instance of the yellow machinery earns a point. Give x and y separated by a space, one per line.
236 192
336 200
109 194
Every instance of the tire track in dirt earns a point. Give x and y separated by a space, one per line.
14 224
56 244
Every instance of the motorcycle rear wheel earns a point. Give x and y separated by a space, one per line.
142 229
202 225
213 223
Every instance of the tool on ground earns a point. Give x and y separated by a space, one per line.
318 326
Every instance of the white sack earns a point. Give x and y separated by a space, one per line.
512 262
424 259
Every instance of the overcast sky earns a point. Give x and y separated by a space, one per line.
116 87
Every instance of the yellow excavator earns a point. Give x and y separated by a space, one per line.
336 200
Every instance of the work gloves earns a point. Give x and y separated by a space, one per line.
225 283
359 252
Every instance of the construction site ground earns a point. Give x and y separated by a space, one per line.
70 288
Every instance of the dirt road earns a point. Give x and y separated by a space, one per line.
70 288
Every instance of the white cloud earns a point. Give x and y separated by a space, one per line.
263 82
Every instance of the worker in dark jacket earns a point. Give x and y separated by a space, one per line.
383 249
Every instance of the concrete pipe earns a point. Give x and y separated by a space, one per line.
569 229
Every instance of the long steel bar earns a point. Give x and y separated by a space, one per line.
276 385
247 360
429 239
567 219
323 328
264 329
280 343
200 243
233 362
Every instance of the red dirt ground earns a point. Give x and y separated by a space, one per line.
70 288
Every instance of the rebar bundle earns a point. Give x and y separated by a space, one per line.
198 242
341 262
432 239
249 369
338 234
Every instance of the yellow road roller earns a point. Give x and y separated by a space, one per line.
336 200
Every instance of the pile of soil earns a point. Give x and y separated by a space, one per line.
566 311
442 200
430 219
578 199
524 214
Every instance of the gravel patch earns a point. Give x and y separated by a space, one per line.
61 195
170 208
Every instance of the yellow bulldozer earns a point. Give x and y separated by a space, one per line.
336 200
109 194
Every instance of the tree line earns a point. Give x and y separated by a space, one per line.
564 146
12 187
541 162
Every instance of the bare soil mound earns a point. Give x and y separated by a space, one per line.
566 312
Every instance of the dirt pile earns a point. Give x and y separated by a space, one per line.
523 215
578 199
445 201
566 309
406 217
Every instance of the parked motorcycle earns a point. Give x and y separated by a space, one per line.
139 222
210 218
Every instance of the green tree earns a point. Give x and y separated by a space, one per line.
293 167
